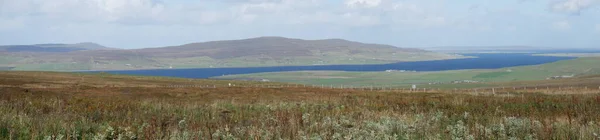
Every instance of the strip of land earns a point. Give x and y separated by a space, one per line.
570 54
445 79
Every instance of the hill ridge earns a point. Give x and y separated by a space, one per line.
250 52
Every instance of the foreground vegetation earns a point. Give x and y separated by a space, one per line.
84 111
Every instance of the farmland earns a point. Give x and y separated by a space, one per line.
45 105
438 79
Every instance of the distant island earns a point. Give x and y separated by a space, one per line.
253 52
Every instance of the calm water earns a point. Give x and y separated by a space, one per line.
483 61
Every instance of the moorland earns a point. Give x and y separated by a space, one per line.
51 105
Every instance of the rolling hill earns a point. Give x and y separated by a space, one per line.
273 47
53 47
253 52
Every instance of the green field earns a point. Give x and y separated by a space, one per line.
575 67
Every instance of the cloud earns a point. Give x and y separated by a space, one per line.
407 7
110 11
351 13
573 6
415 20
362 3
561 25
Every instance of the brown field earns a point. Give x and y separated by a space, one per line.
44 105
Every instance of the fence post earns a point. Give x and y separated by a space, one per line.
494 91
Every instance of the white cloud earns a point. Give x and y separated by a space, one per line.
110 11
408 7
362 3
573 6
561 25
347 13
343 18
103 10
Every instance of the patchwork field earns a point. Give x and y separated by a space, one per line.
45 105
443 79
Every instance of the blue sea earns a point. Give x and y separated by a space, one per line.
482 61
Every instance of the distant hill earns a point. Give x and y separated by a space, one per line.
273 47
53 47
253 52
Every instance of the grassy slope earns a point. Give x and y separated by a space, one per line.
580 66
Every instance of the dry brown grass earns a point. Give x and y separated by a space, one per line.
129 107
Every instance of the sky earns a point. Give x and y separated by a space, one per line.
404 23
